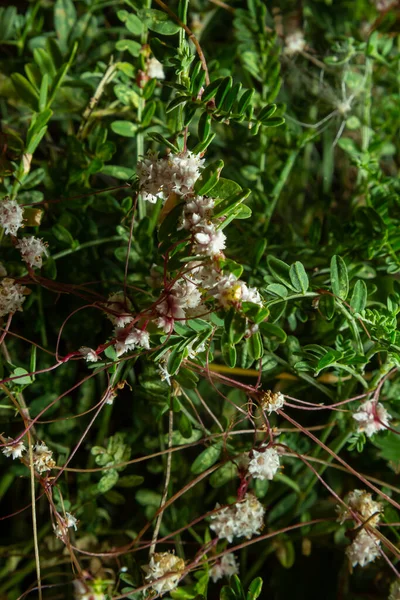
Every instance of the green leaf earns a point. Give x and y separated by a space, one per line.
23 376
211 90
204 126
64 21
266 112
358 300
129 481
185 426
222 91
326 305
224 188
202 146
330 357
209 178
44 88
206 459
132 22
298 277
158 21
118 172
26 91
255 588
277 289
148 113
232 204
255 346
273 332
148 498
281 271
227 594
108 481
273 122
124 128
228 351
339 277
131 46
245 101
175 360
285 553
222 476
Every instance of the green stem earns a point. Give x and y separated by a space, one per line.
113 238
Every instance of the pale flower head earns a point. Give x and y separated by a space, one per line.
226 567
128 341
294 43
61 528
209 241
89 354
43 458
264 464
197 211
395 590
15 450
11 296
244 519
162 563
11 216
119 307
32 250
371 417
155 69
364 549
272 401
361 503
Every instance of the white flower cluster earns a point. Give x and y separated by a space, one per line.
155 69
395 590
183 295
208 239
159 177
371 417
61 528
14 449
161 564
364 549
272 401
11 296
119 308
32 250
244 519
264 464
11 216
226 567
126 341
89 354
360 502
294 43
43 458
231 291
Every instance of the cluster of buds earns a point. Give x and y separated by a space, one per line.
361 507
243 519
371 417
64 524
272 401
264 464
226 567
14 449
160 565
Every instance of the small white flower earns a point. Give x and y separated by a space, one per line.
119 307
43 458
155 69
364 549
294 43
197 211
158 177
89 354
14 450
187 293
209 240
32 250
272 401
128 341
360 502
226 567
395 590
264 465
162 563
371 417
250 294
70 521
11 216
244 519
11 296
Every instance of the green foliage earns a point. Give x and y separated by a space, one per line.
194 321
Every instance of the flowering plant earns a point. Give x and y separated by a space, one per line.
199 300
